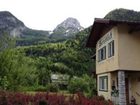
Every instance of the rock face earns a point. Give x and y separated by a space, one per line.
68 24
68 28
11 24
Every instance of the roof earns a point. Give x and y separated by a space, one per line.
98 26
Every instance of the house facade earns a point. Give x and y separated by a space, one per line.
117 46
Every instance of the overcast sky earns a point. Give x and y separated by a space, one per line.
46 14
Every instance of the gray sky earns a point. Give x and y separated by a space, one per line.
46 14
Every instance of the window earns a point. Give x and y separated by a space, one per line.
102 54
111 49
103 83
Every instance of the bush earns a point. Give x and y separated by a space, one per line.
84 84
26 88
9 98
42 102
3 99
48 88
52 87
77 85
41 89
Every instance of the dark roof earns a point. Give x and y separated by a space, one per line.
98 26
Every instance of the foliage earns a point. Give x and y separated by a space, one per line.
123 14
41 88
43 70
77 85
15 71
32 66
68 57
52 87
6 41
83 84
6 98
32 37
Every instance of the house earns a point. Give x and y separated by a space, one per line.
117 46
60 79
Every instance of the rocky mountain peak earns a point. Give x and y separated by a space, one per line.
6 18
10 24
68 28
70 23
26 36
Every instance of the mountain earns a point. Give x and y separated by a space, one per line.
67 29
12 26
123 14
31 36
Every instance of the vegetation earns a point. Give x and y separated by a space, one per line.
84 84
29 68
123 14
6 41
6 98
15 71
32 37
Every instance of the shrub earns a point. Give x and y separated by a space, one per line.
10 98
77 85
3 99
27 88
52 87
41 89
42 102
84 84
48 88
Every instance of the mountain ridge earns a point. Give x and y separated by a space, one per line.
27 36
66 29
10 23
123 14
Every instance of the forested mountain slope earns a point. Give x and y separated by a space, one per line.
25 36
13 27
33 65
70 57
123 14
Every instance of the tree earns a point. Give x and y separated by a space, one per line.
15 70
6 41
84 84
43 70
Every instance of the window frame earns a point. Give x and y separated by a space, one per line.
111 49
102 81
102 54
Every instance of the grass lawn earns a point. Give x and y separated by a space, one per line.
64 92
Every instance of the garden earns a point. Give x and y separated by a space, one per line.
48 74
10 98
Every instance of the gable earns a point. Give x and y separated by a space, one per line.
102 26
